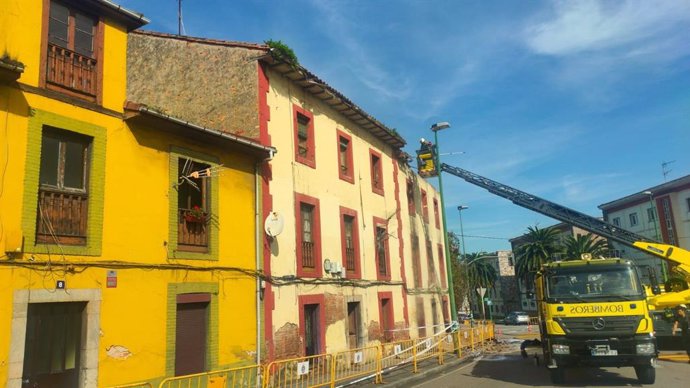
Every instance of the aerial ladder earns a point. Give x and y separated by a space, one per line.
678 257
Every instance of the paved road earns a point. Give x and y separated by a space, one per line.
511 370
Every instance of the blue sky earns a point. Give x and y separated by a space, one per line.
578 102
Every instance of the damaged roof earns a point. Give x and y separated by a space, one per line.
308 81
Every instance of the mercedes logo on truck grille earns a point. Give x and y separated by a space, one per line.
599 323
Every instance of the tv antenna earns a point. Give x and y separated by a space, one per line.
664 168
180 25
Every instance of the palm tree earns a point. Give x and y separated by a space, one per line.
576 246
480 272
540 247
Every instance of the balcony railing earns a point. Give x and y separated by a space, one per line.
350 259
192 234
71 70
62 217
308 255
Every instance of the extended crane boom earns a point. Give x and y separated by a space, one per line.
548 208
678 256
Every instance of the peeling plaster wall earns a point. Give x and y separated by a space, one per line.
210 85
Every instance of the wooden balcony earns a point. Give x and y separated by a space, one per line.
72 71
61 217
192 234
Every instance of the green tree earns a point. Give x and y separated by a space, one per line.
576 246
479 271
460 286
541 246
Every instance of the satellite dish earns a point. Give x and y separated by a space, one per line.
274 224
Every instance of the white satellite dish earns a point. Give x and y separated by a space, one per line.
274 224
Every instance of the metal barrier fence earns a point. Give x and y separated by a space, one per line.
303 372
243 377
354 363
134 385
328 369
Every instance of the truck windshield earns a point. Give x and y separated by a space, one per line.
592 283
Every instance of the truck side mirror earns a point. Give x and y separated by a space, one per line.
656 290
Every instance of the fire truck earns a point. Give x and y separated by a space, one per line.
584 320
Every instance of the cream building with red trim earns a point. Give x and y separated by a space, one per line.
360 257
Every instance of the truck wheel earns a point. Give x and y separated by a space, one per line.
557 375
646 374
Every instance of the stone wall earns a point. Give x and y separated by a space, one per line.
212 85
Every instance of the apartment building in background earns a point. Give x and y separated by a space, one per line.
660 213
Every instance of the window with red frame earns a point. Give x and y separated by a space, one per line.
430 263
416 261
425 207
304 137
308 236
345 163
381 246
306 212
442 266
376 173
350 242
70 57
437 219
410 197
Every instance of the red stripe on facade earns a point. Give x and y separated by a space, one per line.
401 241
266 205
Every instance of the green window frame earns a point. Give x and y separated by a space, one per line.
211 206
39 121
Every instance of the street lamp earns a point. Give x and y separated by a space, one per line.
656 230
464 254
449 269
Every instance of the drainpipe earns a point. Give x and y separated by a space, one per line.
257 254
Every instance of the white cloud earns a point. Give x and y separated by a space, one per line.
594 25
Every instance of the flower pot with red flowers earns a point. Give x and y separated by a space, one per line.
195 215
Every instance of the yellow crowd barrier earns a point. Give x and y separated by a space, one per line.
134 385
355 363
325 370
303 372
243 377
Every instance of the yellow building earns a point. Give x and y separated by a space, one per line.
128 236
360 257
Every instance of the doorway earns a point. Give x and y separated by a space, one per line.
52 350
191 333
353 324
311 329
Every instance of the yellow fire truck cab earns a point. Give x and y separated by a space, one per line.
593 312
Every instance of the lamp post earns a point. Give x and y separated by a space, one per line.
449 269
464 254
656 230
